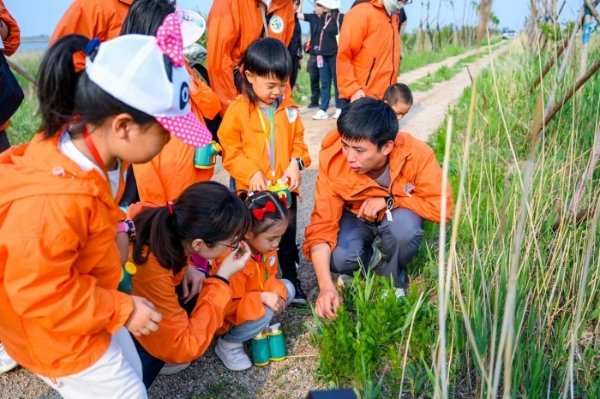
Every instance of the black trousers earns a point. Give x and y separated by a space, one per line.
4 143
288 252
295 68
313 72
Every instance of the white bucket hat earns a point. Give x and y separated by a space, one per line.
331 4
148 73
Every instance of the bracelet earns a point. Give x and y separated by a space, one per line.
223 279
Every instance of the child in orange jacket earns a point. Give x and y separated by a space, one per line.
62 315
205 220
172 170
263 138
257 294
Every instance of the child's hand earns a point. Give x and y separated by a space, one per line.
234 262
144 319
258 182
273 301
292 174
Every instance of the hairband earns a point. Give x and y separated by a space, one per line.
170 207
259 214
79 61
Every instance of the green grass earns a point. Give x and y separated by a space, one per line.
25 122
552 325
444 73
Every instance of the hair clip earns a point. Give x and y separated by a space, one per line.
92 47
170 207
259 214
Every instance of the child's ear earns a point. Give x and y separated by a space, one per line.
249 235
121 125
249 76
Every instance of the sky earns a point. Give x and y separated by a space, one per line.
38 17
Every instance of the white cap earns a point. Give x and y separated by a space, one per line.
148 73
193 26
331 4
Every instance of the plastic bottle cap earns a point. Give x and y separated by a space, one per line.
130 268
274 327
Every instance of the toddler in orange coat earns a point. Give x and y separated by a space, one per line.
263 138
257 294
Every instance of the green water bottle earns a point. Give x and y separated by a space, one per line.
127 272
276 343
260 349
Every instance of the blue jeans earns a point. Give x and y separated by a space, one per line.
251 329
327 74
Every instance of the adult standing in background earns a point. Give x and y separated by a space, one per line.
93 18
326 50
369 51
11 39
232 26
313 20
295 47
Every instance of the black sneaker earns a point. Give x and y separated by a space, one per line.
313 105
300 297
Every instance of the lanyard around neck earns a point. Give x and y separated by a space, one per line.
269 137
98 159
262 287
323 30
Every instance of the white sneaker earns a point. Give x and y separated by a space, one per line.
320 115
6 362
400 293
338 111
232 355
375 258
169 369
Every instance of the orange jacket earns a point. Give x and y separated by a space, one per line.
172 170
247 285
369 51
412 162
232 26
243 140
93 18
179 338
59 263
12 42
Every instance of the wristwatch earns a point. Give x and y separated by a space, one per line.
300 163
127 226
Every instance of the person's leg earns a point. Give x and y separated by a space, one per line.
112 376
151 366
288 254
400 241
313 72
4 143
355 240
294 75
325 77
290 290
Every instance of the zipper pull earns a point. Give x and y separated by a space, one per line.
388 215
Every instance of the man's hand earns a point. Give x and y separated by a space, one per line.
328 303
371 207
359 94
258 182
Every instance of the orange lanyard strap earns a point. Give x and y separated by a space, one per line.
323 30
98 159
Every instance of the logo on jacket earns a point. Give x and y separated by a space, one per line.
276 24
272 259
292 114
409 188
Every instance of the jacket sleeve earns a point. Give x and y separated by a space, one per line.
223 31
327 212
235 160
179 338
84 18
426 198
299 148
289 22
249 304
43 285
205 102
352 35
12 42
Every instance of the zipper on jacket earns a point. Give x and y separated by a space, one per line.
371 71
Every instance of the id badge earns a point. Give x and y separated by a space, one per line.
319 61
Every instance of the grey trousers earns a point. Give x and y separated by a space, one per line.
400 241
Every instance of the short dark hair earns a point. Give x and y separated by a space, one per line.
397 93
146 16
206 210
370 119
265 57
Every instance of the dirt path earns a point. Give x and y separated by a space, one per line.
294 377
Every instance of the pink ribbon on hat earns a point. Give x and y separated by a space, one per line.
170 41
